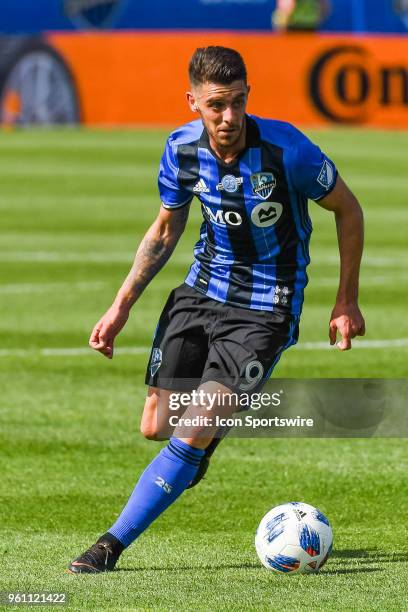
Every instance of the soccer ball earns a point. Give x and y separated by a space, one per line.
294 538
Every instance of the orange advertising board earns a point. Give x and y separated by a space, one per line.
139 78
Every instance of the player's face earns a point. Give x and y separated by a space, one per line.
222 109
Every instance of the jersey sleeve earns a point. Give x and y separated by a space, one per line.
313 174
172 194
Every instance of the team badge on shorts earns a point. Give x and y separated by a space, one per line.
155 361
263 183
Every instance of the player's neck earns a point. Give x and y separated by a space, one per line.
229 154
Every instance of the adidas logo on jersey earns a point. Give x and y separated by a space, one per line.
201 187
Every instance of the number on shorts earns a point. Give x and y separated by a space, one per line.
251 378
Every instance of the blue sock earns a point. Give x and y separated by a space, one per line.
162 482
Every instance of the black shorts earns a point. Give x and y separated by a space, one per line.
199 339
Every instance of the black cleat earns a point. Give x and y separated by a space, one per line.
101 557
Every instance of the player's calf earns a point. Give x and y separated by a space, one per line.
155 424
211 403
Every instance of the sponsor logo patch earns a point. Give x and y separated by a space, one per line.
221 217
266 214
263 183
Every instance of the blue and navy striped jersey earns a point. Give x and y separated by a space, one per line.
253 248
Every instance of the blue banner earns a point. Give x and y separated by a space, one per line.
27 17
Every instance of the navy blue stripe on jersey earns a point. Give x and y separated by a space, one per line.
210 270
301 279
264 272
188 175
285 230
198 249
188 165
303 227
304 213
217 232
204 252
211 207
243 249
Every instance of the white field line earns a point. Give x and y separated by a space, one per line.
368 151
127 257
69 143
368 260
374 182
49 287
140 350
69 352
49 256
357 344
133 171
333 281
67 287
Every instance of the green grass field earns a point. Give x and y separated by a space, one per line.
74 205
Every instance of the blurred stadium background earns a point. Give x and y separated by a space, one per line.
108 62
99 84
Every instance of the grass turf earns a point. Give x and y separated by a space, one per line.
74 205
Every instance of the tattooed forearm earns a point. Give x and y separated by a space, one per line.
151 257
153 252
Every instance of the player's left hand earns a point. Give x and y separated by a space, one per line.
349 322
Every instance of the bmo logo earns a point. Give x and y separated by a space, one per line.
266 214
222 217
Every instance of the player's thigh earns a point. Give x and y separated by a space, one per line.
180 344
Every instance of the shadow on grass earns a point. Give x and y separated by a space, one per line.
371 555
365 559
350 570
190 568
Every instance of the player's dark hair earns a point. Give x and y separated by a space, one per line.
216 65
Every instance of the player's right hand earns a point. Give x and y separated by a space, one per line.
107 328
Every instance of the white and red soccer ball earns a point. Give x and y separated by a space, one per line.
294 538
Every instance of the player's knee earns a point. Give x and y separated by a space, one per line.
149 431
148 425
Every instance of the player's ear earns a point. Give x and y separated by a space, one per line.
248 89
191 101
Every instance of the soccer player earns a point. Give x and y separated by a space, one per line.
239 306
